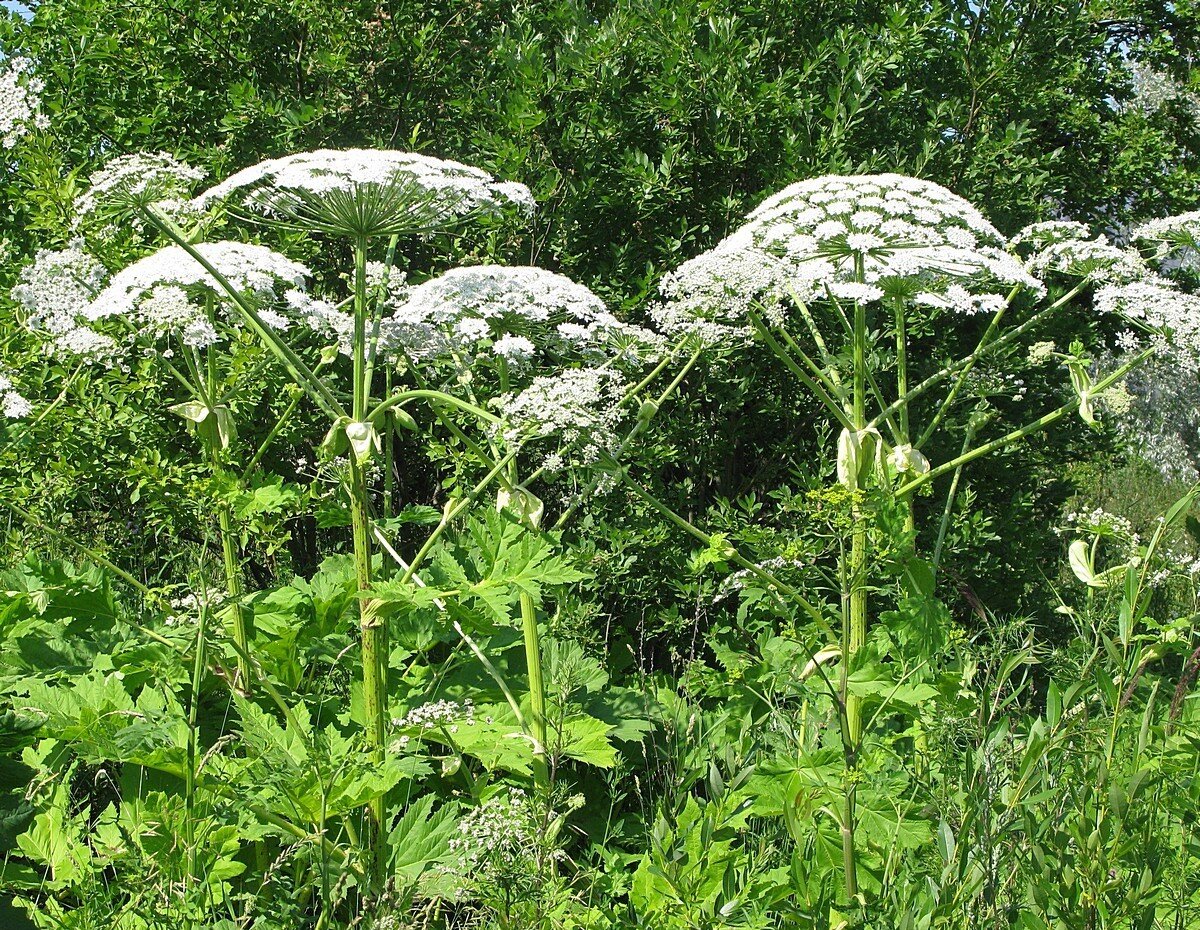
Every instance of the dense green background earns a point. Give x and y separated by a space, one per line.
646 130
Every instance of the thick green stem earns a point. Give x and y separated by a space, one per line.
229 553
901 390
537 690
849 815
857 571
233 584
373 632
374 652
193 751
855 629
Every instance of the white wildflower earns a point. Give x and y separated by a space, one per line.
852 290
154 291
20 102
1160 305
957 298
503 831
466 311
816 236
516 350
709 295
454 187
55 291
578 406
12 405
1096 259
437 715
1049 231
147 177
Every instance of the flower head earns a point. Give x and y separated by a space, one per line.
890 225
12 405
846 237
580 407
143 177
519 314
164 291
20 102
1161 306
55 291
368 191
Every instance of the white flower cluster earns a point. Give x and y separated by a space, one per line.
512 313
1096 521
1163 307
1068 248
1176 239
12 405
20 102
436 715
503 831
1045 232
67 298
456 187
827 232
156 177
957 298
55 291
159 292
708 295
323 318
579 406
388 284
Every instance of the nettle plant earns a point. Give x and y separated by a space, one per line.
526 373
832 275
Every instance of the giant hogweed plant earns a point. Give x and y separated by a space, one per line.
830 275
505 358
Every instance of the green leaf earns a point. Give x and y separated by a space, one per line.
421 838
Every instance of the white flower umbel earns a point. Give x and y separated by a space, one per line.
437 715
514 313
708 296
57 286
1174 238
1173 315
503 831
1045 232
817 238
12 405
896 226
165 291
55 291
446 188
579 406
1095 259
20 102
143 177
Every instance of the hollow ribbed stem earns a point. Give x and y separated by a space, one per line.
857 570
537 690
193 740
372 631
855 577
901 391
229 554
